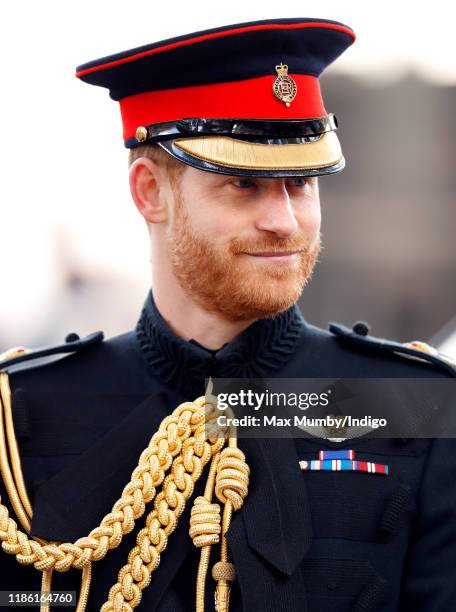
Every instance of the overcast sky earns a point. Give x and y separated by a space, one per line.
64 179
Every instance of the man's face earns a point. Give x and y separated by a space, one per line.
243 247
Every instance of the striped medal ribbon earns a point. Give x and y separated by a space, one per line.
342 461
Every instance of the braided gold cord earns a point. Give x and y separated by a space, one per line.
154 461
169 504
184 444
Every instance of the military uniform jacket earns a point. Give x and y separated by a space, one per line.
303 541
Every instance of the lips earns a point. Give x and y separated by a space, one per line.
273 254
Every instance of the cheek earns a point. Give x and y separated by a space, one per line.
220 220
309 218
212 226
207 212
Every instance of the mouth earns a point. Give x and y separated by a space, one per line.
275 256
272 253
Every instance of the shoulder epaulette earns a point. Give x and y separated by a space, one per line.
422 351
73 343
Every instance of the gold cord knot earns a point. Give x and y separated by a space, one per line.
232 480
205 523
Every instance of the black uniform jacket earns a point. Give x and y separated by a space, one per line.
304 540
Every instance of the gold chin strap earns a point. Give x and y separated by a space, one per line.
174 460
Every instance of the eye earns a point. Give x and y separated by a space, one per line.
244 183
299 181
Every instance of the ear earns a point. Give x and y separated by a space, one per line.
147 189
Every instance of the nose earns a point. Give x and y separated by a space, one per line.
276 210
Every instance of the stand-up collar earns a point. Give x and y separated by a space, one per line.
259 351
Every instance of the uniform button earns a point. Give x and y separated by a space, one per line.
361 328
332 585
333 430
72 337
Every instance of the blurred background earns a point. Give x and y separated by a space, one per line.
73 247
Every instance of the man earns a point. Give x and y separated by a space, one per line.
227 132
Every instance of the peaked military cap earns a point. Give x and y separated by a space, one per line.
241 99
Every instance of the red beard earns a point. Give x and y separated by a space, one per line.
222 280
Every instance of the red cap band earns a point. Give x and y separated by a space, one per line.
247 99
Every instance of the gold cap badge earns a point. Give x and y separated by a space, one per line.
284 86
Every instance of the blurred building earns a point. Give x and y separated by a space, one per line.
389 219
